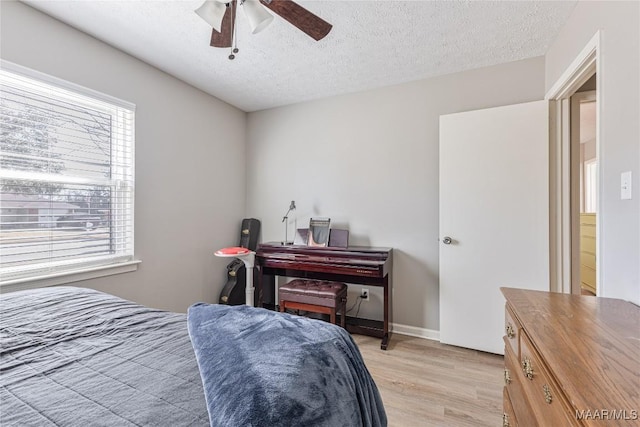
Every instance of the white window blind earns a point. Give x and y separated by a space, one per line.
66 177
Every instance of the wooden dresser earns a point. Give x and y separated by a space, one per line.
570 360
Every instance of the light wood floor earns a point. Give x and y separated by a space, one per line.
425 383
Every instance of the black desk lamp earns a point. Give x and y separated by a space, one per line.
292 207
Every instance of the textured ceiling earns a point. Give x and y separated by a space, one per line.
372 43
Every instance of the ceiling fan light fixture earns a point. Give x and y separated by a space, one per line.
257 15
212 11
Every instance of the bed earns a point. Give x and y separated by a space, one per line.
77 357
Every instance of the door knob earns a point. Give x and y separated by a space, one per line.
447 240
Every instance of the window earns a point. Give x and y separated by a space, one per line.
66 177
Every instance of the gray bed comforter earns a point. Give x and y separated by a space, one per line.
78 357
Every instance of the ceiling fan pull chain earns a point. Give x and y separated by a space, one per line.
235 43
234 34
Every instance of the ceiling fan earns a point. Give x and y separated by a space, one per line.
221 15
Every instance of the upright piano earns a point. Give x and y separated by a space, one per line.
354 264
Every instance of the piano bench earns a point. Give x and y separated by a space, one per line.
316 296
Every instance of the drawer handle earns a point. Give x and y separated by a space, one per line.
507 377
547 393
505 420
511 333
527 368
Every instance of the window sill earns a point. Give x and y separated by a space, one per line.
67 277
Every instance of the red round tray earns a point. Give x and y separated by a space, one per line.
234 250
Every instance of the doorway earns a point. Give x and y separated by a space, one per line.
584 189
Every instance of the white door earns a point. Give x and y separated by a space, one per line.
494 206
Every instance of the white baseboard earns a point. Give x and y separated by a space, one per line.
413 331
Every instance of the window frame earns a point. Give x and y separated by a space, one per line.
56 273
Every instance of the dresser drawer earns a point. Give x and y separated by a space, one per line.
511 331
508 416
513 385
546 401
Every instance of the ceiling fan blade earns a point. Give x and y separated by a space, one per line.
307 22
224 38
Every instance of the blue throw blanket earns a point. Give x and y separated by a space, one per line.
263 368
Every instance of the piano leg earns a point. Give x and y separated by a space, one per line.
385 341
386 306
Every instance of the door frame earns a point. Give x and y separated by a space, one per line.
561 238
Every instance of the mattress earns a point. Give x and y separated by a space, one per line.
78 357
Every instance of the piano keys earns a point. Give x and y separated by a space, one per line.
354 264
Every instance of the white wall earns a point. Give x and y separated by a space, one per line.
619 83
367 160
370 161
187 144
